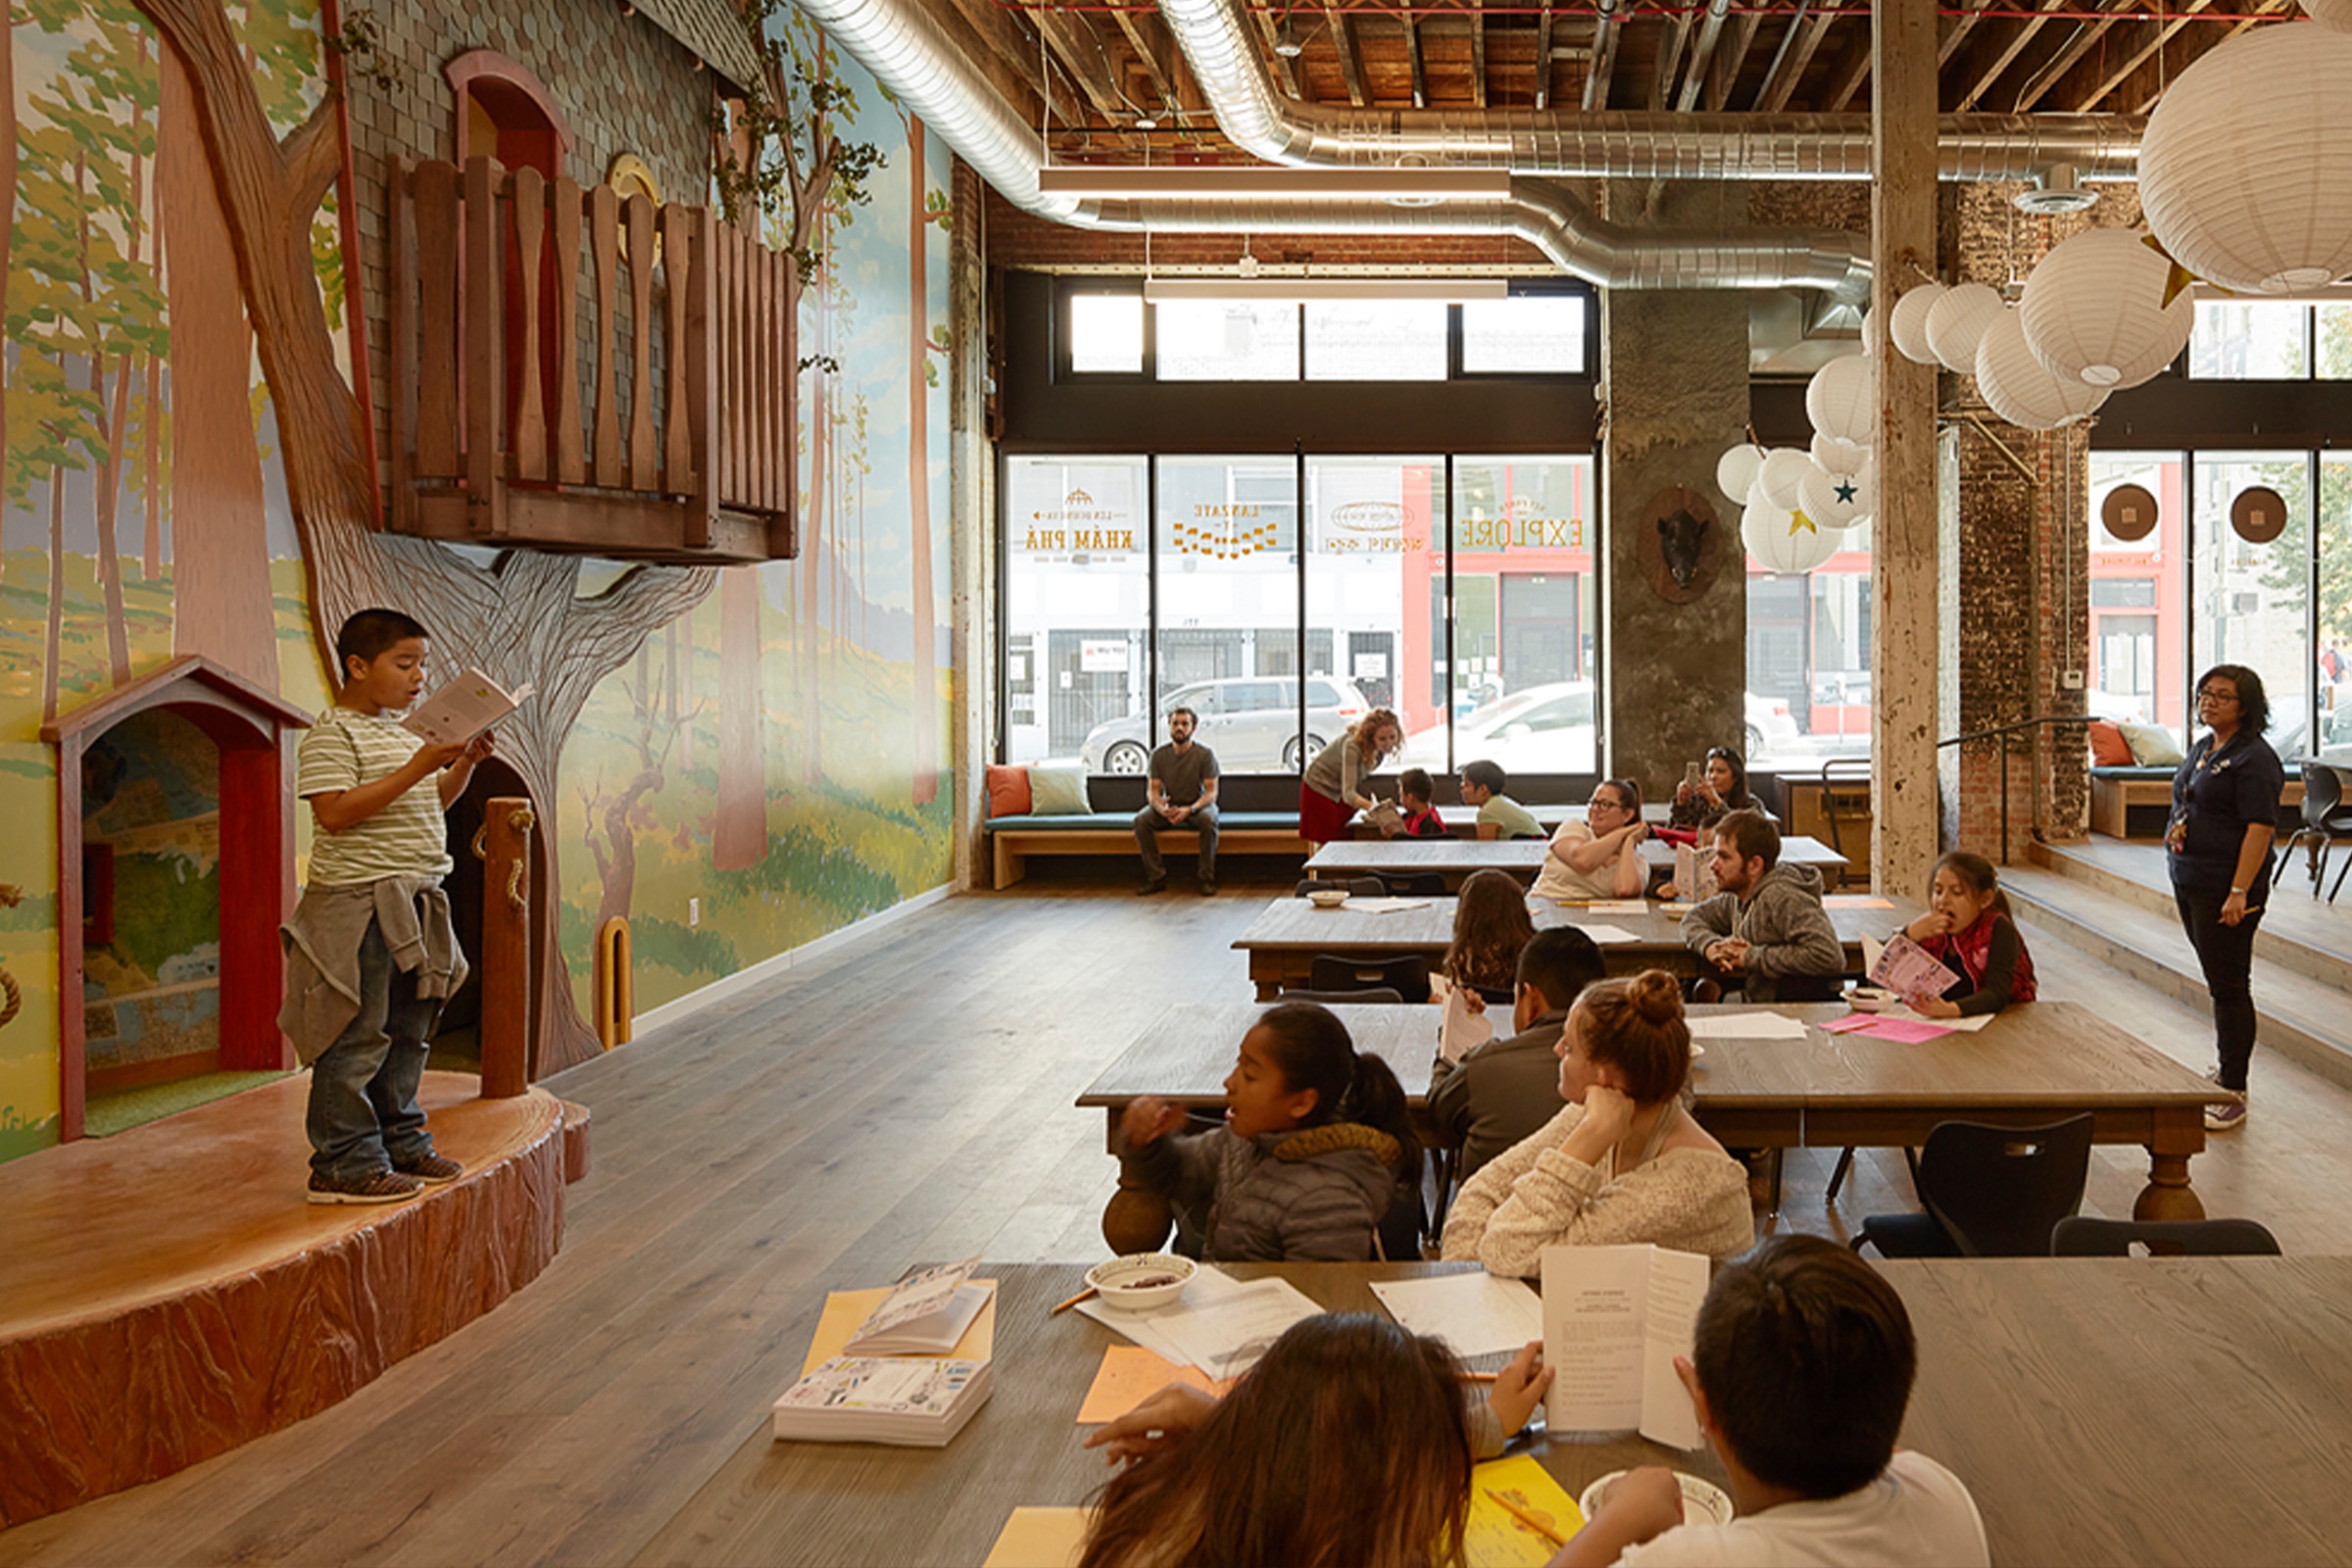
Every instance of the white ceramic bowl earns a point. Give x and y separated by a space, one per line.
1871 999
1328 898
1141 1280
1703 1501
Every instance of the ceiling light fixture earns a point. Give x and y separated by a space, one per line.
1452 290
1277 184
1286 37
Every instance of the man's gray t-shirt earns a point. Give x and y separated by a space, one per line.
1183 776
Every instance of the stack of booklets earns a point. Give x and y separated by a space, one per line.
907 1365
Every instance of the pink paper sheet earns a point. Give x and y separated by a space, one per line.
1905 1030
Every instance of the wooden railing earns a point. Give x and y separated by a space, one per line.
582 370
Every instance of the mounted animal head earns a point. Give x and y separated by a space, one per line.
1682 539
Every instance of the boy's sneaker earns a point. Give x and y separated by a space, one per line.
429 1168
378 1187
2224 1118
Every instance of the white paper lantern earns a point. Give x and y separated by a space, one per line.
1843 399
1958 320
1838 456
2020 389
1907 323
1784 470
1735 469
1836 500
2331 14
2095 311
1781 540
2245 170
1869 331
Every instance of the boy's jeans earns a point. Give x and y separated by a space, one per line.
364 1115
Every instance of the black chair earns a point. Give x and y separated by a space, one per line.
1358 887
1990 1191
1415 884
2326 822
1408 975
1344 998
2081 1236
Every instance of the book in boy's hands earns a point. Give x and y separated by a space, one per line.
924 1315
1614 1319
462 708
913 1403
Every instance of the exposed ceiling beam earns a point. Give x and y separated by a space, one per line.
1006 56
1771 82
1852 72
1987 63
1604 57
2178 55
1710 32
1478 53
1351 68
2109 79
1072 39
1954 28
1739 36
1137 25
1543 61
1285 75
2048 74
1811 32
1413 57
1669 59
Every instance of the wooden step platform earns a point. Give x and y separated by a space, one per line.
168 1294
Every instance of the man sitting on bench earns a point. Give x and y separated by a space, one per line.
1185 772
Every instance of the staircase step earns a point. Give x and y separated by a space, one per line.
2302 1018
2272 945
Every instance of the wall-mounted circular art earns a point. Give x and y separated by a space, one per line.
2259 514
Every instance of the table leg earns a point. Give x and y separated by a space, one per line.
2166 1195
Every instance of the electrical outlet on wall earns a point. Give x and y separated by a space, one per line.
694 912
2072 680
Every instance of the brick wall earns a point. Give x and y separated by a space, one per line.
620 83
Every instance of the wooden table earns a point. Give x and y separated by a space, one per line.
2150 1411
1286 937
1456 858
2038 1063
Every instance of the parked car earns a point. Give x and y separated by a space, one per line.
1250 722
1551 729
1770 730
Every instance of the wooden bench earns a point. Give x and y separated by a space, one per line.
1017 838
2116 793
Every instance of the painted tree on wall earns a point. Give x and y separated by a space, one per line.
928 207
520 617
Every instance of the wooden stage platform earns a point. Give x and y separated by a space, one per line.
168 1294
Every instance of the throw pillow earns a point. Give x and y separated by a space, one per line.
1056 792
2108 748
2153 745
1007 791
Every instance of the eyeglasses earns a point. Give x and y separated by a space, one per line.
2210 695
1609 801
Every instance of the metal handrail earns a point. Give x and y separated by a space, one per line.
2003 732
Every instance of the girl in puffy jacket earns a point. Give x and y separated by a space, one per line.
1316 1145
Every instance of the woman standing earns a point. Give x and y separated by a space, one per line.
2225 814
1332 790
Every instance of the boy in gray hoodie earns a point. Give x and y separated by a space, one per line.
1765 933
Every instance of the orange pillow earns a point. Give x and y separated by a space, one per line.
2108 748
1007 791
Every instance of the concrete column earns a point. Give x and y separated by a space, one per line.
971 531
1903 660
1674 366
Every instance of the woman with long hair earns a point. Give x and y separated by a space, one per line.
1625 1163
1332 789
1720 790
1491 924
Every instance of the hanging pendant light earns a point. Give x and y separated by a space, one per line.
2095 311
2020 389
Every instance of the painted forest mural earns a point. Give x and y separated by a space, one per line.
739 761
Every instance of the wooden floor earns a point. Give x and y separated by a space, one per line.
905 1096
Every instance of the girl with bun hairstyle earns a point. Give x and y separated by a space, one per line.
1624 1163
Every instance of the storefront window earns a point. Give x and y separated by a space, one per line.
2253 594
1228 541
1375 542
1078 609
2132 667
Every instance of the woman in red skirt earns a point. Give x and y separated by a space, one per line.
1332 790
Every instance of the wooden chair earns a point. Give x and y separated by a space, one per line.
2081 1236
1990 1191
1406 975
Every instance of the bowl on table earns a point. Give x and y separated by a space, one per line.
1703 1501
1327 898
1141 1280
1872 998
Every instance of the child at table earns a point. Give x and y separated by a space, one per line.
1318 1143
1968 926
1350 1443
1801 1370
1491 924
1421 819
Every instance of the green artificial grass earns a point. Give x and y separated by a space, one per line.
108 1115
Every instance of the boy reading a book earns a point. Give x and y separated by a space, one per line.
370 953
1800 1368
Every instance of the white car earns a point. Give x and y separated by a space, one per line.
1551 729
1250 722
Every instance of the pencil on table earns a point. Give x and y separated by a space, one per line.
1526 1518
1072 1301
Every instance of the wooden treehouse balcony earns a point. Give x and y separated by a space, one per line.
576 370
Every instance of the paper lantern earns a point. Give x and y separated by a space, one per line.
1843 399
1785 468
2331 14
2020 389
1957 321
1735 469
2245 170
1836 500
1907 322
1869 331
2095 311
1838 456
1783 540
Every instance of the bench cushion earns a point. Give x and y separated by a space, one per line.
2134 775
1123 821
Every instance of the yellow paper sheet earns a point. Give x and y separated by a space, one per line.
1855 900
1495 1539
1039 1538
846 1312
1130 1374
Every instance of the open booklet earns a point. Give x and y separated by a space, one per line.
1614 1319
924 1315
1905 968
464 707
